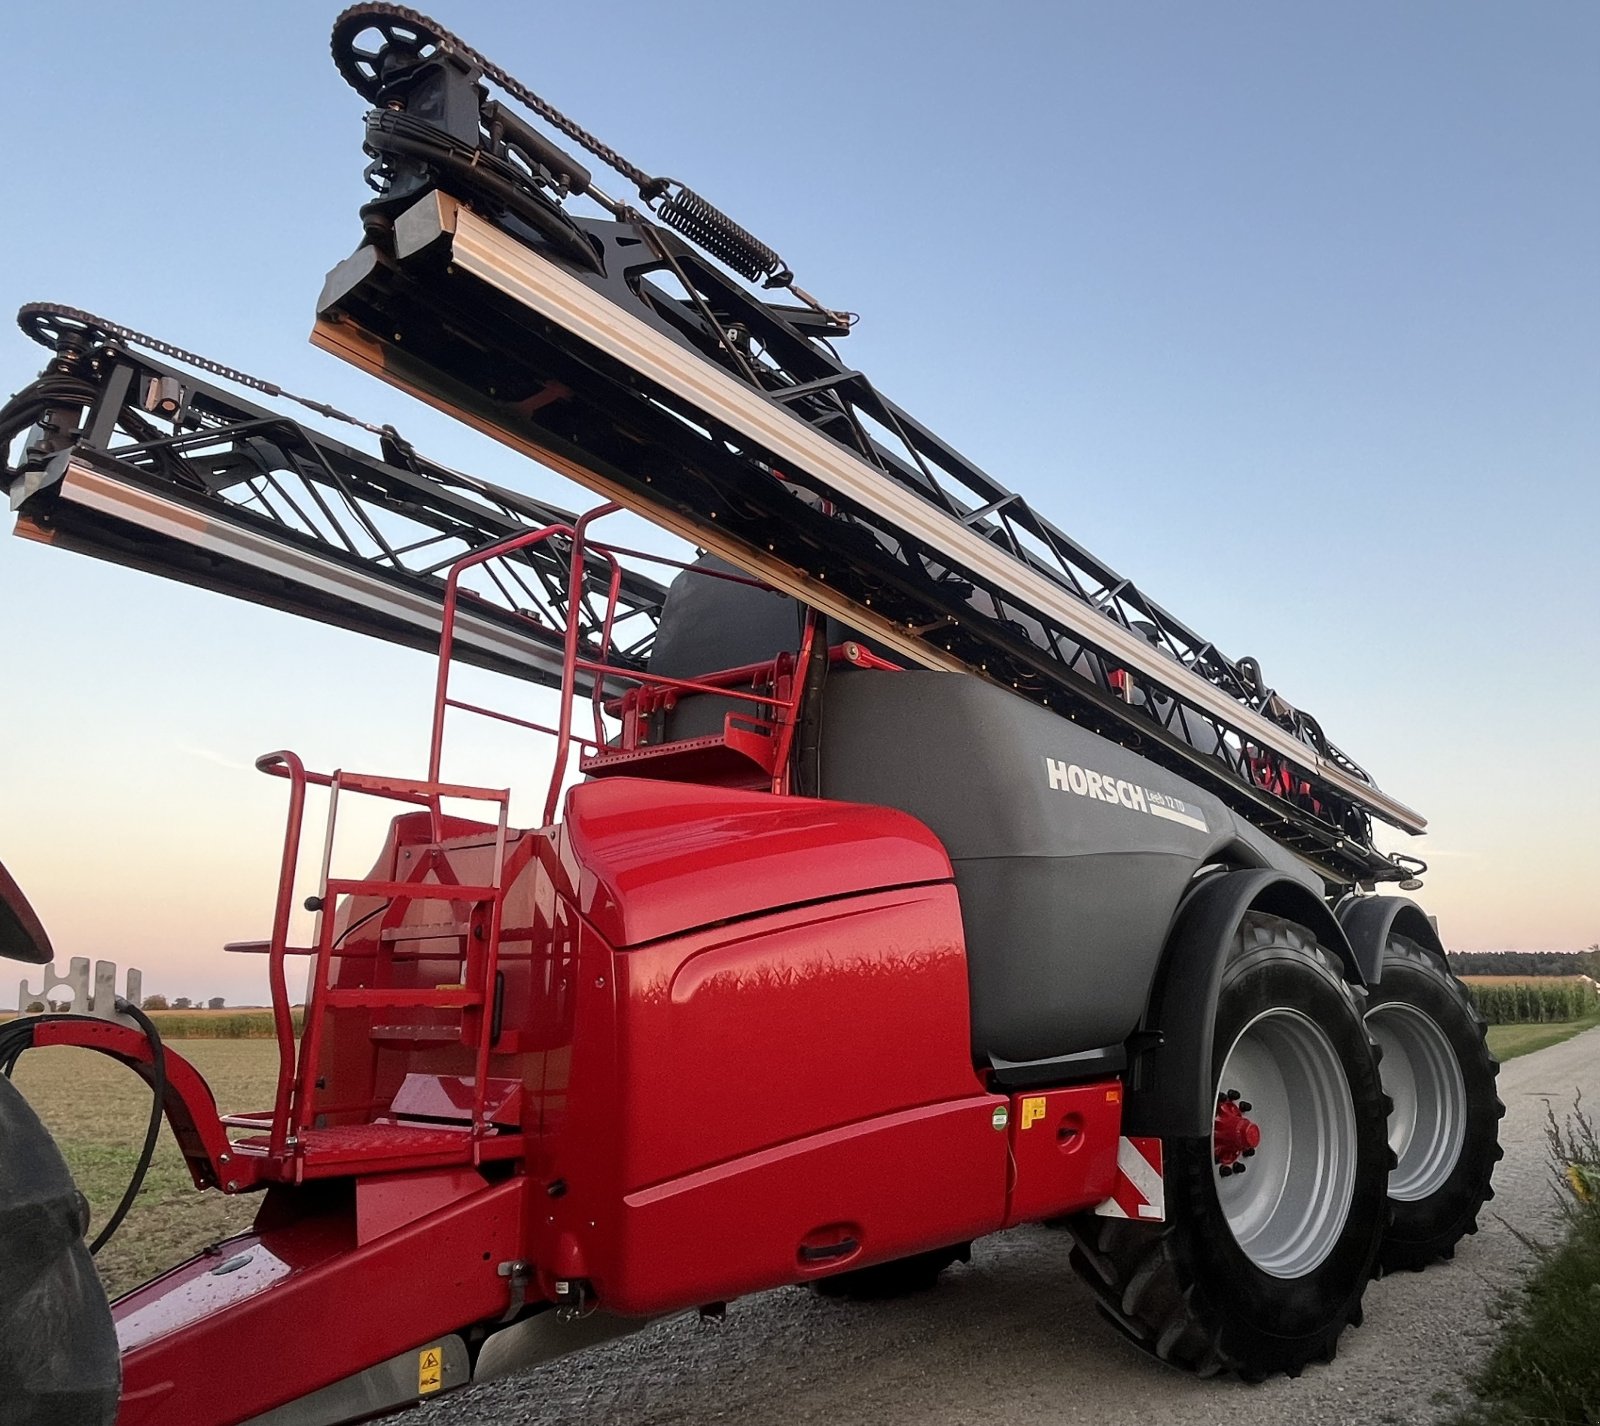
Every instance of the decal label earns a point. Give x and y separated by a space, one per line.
1102 787
1001 1116
430 1370
1032 1111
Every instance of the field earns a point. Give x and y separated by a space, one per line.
97 1110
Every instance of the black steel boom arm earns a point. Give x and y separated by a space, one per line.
630 359
156 466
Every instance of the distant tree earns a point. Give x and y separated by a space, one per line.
155 1002
61 1006
35 1007
1525 963
215 1003
183 1003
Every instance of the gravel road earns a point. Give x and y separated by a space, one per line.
1013 1340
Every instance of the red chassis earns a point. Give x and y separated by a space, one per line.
689 1042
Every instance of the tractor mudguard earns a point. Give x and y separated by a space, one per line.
1170 1093
22 935
1369 921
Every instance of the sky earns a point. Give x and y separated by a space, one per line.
1290 312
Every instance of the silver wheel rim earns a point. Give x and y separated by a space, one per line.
1288 1208
1422 1076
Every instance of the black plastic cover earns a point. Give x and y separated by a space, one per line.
1071 853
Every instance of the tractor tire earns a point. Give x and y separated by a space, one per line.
899 1278
1258 1272
1444 1128
58 1349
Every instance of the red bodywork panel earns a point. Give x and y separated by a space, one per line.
732 1053
655 859
1063 1150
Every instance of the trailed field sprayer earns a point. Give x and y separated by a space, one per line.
905 872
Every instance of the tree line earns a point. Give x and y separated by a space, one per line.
1533 963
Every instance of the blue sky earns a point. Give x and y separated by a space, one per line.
1289 312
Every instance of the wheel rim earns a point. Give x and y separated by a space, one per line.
1287 1206
1422 1076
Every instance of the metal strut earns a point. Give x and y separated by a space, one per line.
666 385
157 467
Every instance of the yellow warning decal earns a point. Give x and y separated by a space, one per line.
430 1370
1032 1110
1113 1096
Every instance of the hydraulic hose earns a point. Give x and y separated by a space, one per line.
18 1036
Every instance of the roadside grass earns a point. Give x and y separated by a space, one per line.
1506 1042
1546 1366
97 1110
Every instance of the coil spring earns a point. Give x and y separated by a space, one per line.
710 228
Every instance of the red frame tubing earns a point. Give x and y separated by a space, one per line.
190 1107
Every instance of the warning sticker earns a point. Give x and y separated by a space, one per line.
1032 1110
430 1370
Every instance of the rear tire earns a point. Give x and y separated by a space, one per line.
58 1349
1445 1125
1259 1273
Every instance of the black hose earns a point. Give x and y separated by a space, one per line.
152 1134
18 1036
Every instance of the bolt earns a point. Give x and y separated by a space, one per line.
1233 1094
1238 1168
1249 1153
1245 1106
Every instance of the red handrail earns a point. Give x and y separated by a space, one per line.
283 763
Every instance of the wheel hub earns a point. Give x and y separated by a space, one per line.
1233 1136
1288 1210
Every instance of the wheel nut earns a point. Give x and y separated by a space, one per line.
1233 1094
1225 1169
1249 1153
1238 1168
1245 1106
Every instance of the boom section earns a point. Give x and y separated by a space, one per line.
161 467
607 346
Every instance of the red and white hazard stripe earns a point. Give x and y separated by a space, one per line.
1138 1191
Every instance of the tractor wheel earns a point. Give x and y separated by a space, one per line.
58 1350
1445 1124
1273 1220
899 1278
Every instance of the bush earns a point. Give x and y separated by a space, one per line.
154 1002
1545 1367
